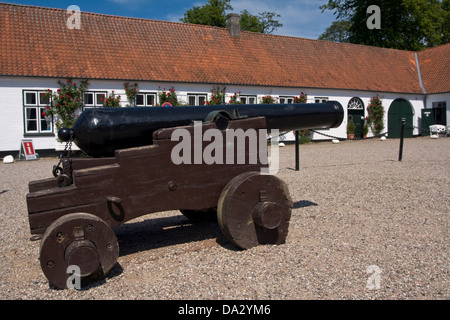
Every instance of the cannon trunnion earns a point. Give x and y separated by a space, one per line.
77 220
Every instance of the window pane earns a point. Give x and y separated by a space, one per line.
31 119
244 100
30 98
140 100
150 99
192 100
201 100
89 99
98 98
45 126
31 113
43 100
252 100
31 125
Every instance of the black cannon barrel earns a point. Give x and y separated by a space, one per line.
101 131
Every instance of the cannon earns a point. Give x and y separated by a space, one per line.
147 160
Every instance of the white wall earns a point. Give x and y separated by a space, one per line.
12 112
12 119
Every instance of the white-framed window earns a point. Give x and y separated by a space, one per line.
35 103
145 99
320 99
196 99
248 99
284 100
93 99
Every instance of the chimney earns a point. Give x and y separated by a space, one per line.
233 25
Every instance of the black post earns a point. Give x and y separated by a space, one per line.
297 155
402 133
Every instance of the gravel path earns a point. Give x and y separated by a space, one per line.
364 226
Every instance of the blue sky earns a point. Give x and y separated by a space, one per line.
300 18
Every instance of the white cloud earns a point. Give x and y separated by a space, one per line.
300 18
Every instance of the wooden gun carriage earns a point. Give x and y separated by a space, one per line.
131 173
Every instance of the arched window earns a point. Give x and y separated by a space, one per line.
355 104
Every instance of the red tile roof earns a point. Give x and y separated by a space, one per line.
435 68
36 42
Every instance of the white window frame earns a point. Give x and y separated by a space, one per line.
245 99
38 107
96 95
290 99
145 95
320 99
197 97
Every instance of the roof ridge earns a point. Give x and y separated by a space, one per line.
435 47
108 15
209 27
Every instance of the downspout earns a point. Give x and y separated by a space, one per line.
420 78
422 86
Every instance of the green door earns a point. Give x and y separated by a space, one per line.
399 109
428 119
358 118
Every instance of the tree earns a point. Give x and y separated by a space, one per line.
213 13
337 32
210 14
404 24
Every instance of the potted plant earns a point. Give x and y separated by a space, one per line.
365 130
351 129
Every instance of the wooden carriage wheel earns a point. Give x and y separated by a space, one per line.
254 209
78 239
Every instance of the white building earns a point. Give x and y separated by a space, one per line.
38 49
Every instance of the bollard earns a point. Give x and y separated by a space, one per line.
402 133
297 155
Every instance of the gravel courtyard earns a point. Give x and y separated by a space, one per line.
363 226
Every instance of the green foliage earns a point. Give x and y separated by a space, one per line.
131 90
214 13
405 24
351 126
301 99
264 23
375 118
337 32
304 136
111 101
235 99
65 103
365 130
268 99
217 97
169 96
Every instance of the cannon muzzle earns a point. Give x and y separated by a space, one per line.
101 131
